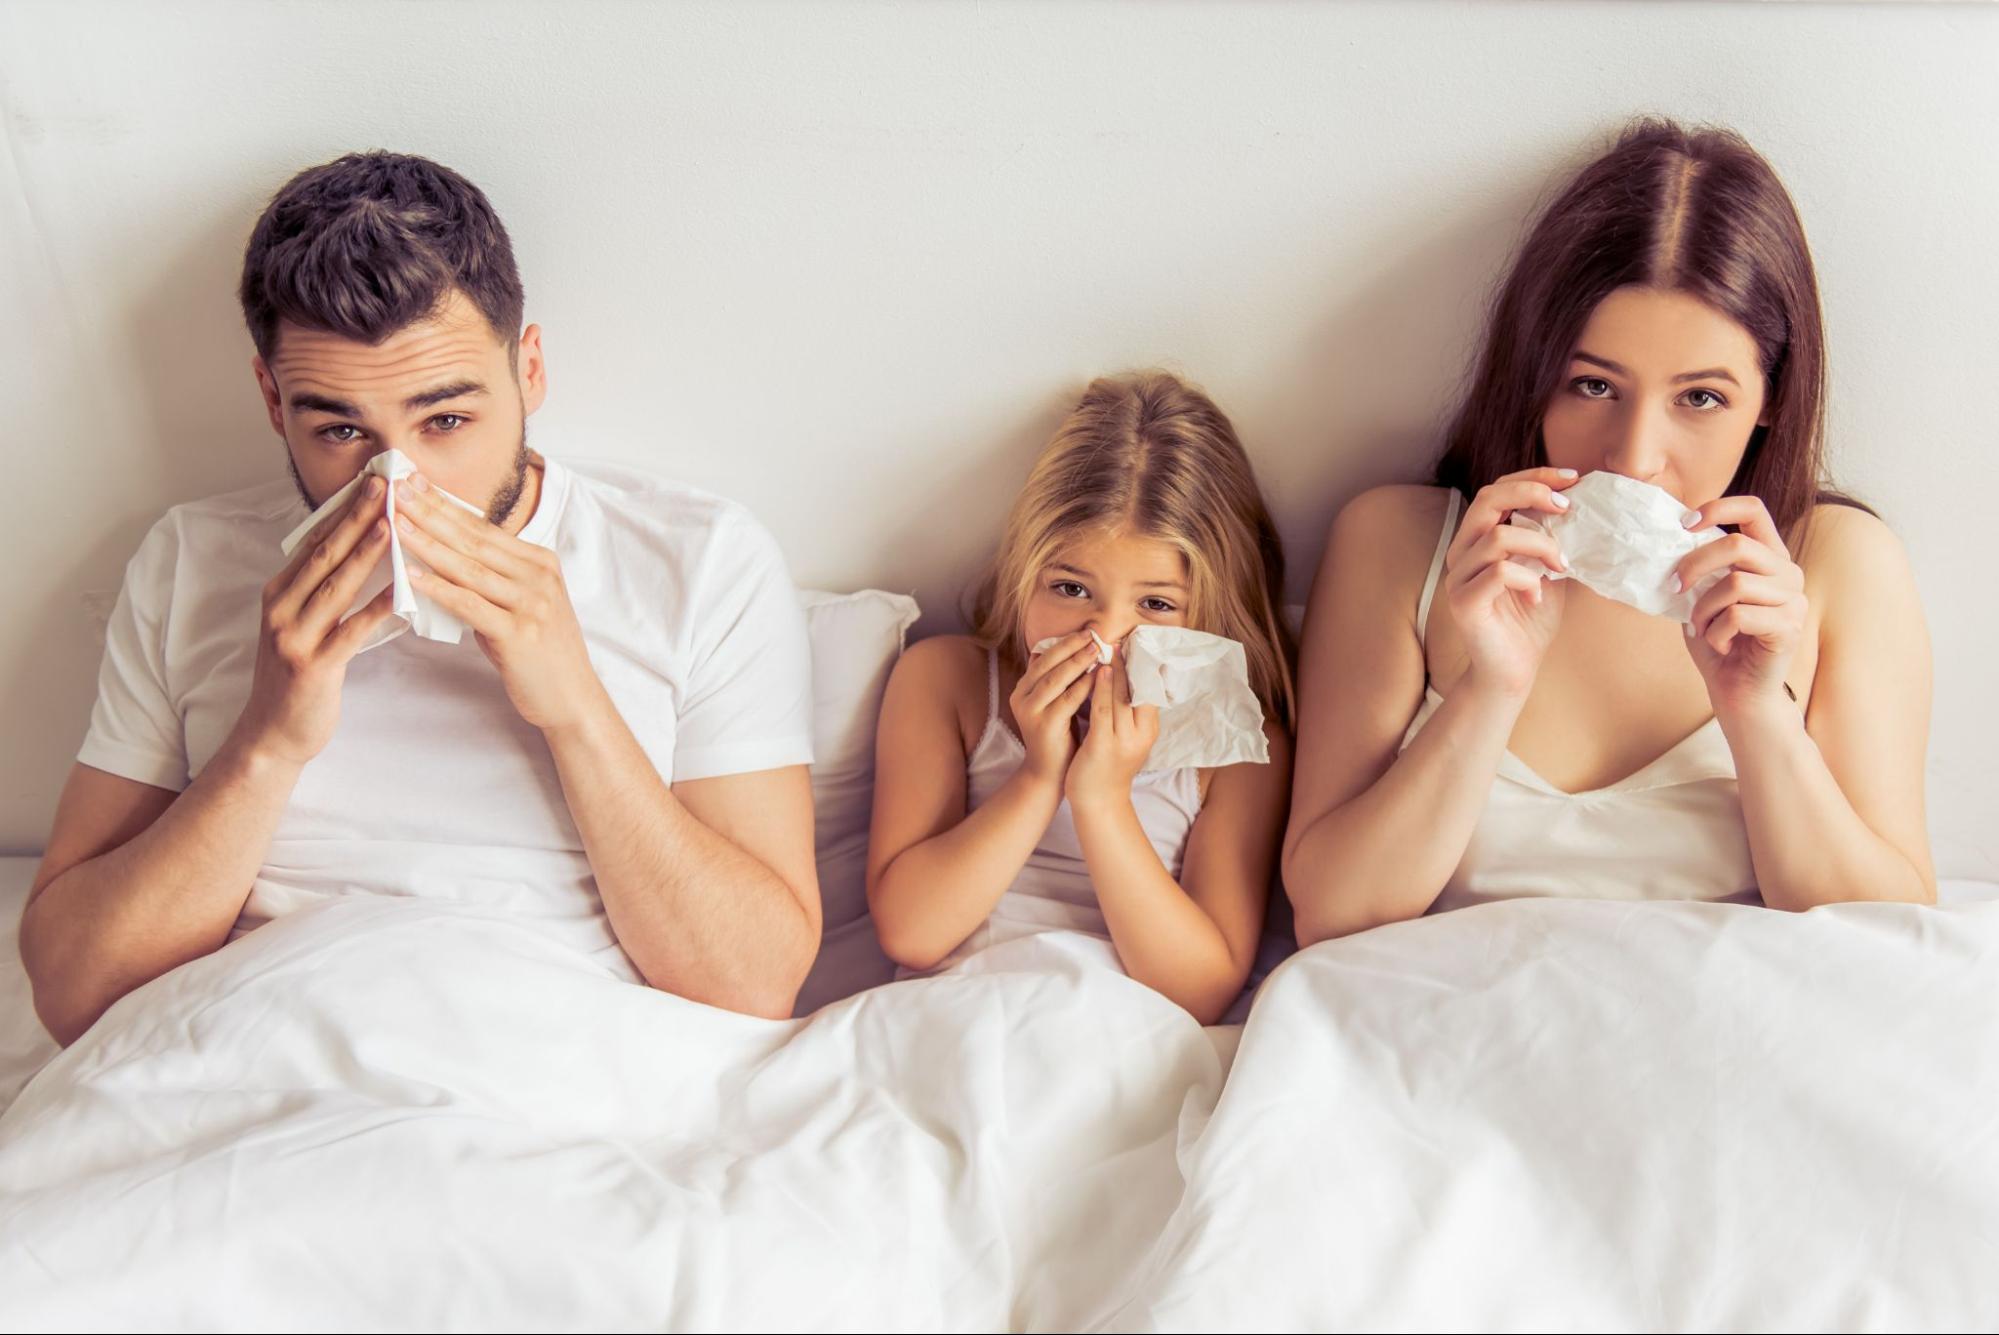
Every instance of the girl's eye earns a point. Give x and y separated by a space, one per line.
1706 400
1158 606
1069 588
340 433
1591 387
447 421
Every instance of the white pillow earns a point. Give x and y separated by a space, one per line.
856 638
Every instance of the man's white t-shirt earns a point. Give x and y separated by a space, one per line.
433 786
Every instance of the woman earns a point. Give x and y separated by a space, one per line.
1471 731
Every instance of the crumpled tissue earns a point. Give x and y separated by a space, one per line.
1623 539
1208 715
415 610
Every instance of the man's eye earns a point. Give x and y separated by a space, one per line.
340 433
1069 588
447 421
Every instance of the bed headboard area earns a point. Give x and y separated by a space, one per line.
848 264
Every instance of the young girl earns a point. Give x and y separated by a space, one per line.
1009 797
1470 732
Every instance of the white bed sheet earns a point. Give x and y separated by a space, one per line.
1540 1115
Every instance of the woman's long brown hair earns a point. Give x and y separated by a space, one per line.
1694 211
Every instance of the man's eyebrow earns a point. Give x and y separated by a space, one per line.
319 403
457 389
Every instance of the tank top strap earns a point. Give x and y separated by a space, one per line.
1451 509
992 686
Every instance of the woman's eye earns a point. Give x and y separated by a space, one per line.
1592 387
1069 588
1157 606
447 421
1706 400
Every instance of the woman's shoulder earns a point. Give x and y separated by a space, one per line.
1836 542
1835 531
1853 562
1394 509
1384 539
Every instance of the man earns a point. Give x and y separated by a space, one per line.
617 748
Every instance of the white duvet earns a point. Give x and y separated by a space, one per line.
1533 1115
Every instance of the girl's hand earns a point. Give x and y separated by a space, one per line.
1747 627
1507 614
1046 699
1120 738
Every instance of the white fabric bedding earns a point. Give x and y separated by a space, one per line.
1555 1115
1542 1115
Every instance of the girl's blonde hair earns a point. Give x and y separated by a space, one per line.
1149 455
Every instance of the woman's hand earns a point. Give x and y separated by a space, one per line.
1746 628
1120 738
1507 613
1045 701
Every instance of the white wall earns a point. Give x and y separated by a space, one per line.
845 262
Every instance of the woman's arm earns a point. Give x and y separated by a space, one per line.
1832 796
1375 831
934 872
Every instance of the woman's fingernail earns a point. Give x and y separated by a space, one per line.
1690 518
418 482
374 487
1690 630
1561 501
1565 472
1679 585
403 523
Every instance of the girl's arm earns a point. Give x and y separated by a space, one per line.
1832 796
934 872
1195 942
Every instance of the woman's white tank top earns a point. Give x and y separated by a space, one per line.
1673 830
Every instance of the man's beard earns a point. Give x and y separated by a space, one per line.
499 508
508 494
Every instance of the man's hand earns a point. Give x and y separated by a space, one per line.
303 646
511 594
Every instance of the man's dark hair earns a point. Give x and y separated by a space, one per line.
371 243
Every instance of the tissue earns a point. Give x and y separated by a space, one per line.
1105 649
1623 539
414 610
1208 715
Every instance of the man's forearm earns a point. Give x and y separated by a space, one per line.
99 929
699 916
